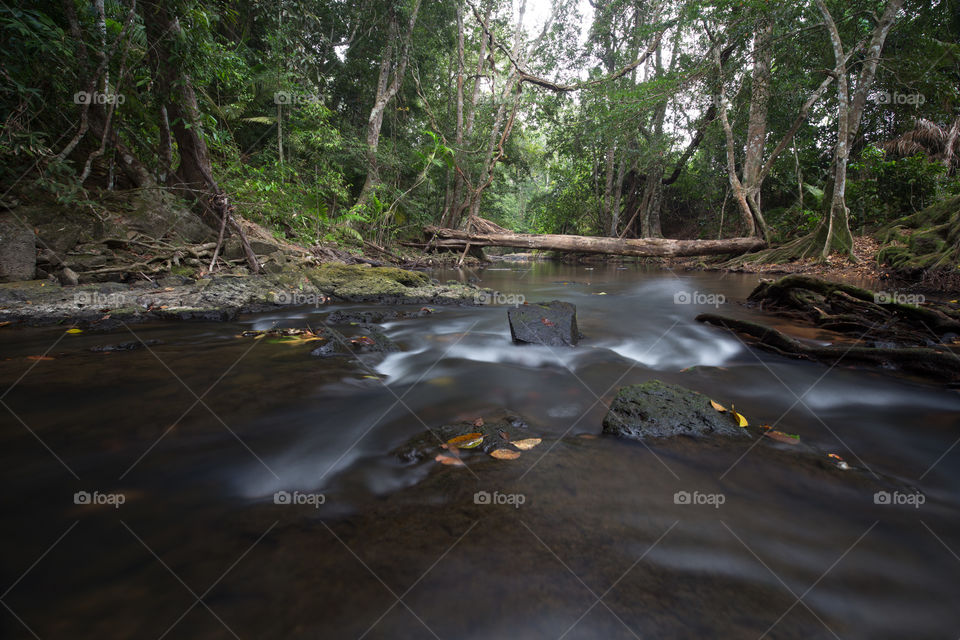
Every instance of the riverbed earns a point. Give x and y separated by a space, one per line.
209 485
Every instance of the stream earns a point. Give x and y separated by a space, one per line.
182 447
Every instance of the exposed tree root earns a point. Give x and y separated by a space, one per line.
940 366
883 317
925 241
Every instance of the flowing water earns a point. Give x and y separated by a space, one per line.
591 539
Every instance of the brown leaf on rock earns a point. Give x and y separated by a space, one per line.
504 454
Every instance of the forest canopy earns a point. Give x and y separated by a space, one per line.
347 120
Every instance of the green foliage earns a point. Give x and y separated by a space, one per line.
882 189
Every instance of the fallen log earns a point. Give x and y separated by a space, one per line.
641 247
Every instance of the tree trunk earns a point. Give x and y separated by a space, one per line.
644 247
834 234
608 166
195 172
386 89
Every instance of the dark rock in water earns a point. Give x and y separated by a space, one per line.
655 409
18 251
329 349
374 316
549 323
197 315
368 339
124 346
426 445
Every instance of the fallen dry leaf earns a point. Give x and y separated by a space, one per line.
718 406
526 444
466 441
780 436
450 460
504 454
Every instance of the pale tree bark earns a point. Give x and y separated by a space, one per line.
453 196
608 169
834 233
652 199
949 149
757 122
618 194
736 186
460 203
389 82
746 192
505 116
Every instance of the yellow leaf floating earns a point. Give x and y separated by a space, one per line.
505 454
719 407
467 441
740 419
449 460
527 444
74 330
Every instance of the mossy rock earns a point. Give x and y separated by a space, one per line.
655 410
352 281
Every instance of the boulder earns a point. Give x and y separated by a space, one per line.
549 323
68 276
656 409
18 251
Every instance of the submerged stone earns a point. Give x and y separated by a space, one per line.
656 409
553 324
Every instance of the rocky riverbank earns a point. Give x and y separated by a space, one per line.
220 297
